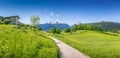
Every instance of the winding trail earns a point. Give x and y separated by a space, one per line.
67 51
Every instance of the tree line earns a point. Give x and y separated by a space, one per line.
86 27
75 28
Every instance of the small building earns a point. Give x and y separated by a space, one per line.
10 19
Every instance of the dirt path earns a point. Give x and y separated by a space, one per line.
67 51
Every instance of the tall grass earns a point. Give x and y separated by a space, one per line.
25 43
92 43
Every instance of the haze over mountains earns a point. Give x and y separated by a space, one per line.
47 26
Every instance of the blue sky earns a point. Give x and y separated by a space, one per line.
65 11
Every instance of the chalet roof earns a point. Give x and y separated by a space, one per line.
11 17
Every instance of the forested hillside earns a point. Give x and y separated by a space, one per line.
110 26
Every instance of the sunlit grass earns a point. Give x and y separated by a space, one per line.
25 43
92 43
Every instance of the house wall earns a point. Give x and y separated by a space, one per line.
14 20
11 19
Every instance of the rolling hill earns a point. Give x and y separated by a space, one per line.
109 26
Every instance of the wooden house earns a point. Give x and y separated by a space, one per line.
10 19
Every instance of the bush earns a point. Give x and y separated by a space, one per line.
52 30
58 31
67 30
7 22
55 30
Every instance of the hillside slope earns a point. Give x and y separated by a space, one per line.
25 43
107 25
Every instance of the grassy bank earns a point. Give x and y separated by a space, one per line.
25 43
93 43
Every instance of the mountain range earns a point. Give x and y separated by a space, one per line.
105 25
47 26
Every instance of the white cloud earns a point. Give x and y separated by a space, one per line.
57 15
51 13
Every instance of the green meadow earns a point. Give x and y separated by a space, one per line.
93 43
25 43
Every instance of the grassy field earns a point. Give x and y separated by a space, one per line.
25 43
93 43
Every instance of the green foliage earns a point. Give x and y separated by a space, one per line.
38 27
52 30
115 31
55 30
85 27
25 43
74 28
67 30
106 25
93 43
1 20
58 30
21 24
110 33
35 21
7 22
27 26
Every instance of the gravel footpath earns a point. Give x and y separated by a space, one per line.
67 51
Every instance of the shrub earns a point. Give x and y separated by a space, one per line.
58 31
55 30
67 30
